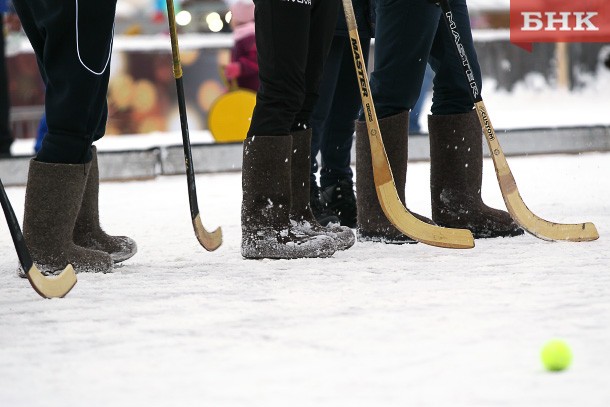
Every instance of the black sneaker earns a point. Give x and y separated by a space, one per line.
341 200
322 214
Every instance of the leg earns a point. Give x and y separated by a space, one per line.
404 33
336 177
456 149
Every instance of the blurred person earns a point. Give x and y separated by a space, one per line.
332 122
409 34
292 39
73 44
244 65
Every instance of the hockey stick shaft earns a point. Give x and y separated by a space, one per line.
387 194
210 241
47 287
510 193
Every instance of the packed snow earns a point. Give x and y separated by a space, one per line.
377 325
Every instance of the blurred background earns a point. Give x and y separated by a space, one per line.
142 92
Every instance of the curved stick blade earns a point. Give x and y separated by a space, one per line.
536 226
542 229
52 286
209 241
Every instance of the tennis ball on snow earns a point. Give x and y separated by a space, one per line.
556 355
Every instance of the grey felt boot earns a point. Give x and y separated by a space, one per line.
301 215
456 175
88 232
372 222
265 222
53 199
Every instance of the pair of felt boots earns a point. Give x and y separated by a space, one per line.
61 224
276 217
456 175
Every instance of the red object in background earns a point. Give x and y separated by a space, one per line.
558 21
158 17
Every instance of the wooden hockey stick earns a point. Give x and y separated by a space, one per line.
209 241
47 287
538 227
390 203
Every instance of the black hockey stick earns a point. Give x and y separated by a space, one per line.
209 241
538 227
389 201
47 287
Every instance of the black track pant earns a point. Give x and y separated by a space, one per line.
292 40
333 118
72 41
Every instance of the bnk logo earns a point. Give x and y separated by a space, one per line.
559 21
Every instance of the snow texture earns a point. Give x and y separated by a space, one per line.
376 325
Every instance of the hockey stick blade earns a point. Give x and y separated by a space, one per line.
209 241
387 194
520 213
542 229
46 287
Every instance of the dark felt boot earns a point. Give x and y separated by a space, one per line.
456 175
372 222
265 222
52 201
300 210
88 232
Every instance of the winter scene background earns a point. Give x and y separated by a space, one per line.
376 325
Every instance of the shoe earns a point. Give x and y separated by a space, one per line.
321 212
341 200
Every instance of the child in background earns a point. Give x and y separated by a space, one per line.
244 65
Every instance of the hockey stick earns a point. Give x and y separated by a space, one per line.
47 287
390 203
538 227
209 241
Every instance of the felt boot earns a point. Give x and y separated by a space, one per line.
88 233
456 175
372 222
301 215
53 199
265 221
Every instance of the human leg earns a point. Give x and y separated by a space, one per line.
456 150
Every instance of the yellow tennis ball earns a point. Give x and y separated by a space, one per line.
556 355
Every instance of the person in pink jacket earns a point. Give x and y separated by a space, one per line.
244 65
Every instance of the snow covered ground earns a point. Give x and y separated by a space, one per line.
377 325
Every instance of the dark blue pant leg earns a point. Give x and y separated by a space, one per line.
451 94
403 38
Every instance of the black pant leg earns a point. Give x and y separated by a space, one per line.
74 54
321 111
338 136
282 42
323 21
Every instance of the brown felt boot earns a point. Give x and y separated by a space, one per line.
88 233
300 209
52 201
456 175
372 222
265 222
